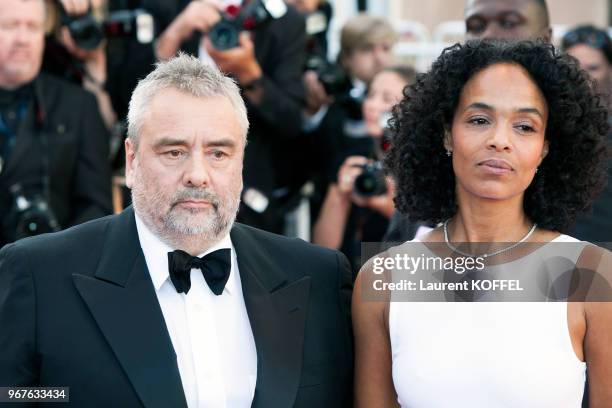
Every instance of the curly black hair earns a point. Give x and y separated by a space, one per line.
574 170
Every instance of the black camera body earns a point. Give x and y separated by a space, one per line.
29 215
338 84
224 35
88 32
371 182
333 78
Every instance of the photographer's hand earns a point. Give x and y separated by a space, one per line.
95 74
199 15
382 204
349 171
76 7
316 97
240 61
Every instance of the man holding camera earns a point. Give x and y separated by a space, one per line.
267 62
53 143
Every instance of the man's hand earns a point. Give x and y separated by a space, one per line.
349 171
199 15
316 97
76 7
94 55
240 61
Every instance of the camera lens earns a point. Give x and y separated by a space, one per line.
86 32
224 36
371 182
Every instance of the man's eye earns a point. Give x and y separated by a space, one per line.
475 26
218 154
174 154
10 25
508 24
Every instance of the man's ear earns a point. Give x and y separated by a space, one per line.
547 35
448 140
130 157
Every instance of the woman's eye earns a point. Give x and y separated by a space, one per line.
525 128
478 121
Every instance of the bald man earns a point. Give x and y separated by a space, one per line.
507 20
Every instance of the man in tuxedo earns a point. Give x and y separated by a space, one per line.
267 64
171 303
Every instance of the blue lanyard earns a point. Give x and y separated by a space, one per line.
8 136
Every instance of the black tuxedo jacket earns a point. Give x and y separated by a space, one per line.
78 309
77 152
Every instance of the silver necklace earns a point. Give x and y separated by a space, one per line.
455 249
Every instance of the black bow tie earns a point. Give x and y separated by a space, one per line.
215 267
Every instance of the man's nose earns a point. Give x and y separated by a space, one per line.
196 171
23 35
381 54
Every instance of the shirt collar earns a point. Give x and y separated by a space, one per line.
156 255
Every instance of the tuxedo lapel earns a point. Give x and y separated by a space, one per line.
122 300
277 310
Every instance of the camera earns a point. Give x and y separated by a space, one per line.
224 35
333 78
371 182
88 32
29 215
338 84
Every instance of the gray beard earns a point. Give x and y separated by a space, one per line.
174 229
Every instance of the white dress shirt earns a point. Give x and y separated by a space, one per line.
211 334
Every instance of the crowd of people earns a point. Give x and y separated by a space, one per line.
312 119
225 113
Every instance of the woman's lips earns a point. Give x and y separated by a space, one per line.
495 166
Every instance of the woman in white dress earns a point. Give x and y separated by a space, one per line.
500 143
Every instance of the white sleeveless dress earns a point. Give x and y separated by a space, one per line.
484 355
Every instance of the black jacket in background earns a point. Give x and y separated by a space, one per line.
78 145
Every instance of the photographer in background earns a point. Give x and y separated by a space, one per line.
359 201
267 62
64 57
592 48
318 15
333 112
53 143
365 49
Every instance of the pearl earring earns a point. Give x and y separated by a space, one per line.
449 153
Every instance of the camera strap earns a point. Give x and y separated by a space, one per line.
41 130
11 116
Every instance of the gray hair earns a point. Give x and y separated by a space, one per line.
188 74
